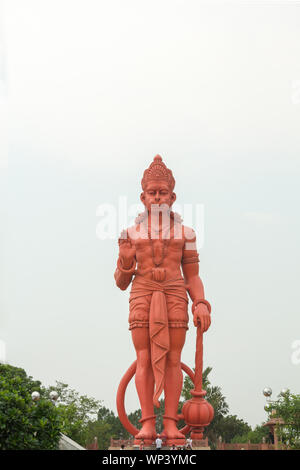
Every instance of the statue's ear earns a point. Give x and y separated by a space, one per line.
173 198
142 197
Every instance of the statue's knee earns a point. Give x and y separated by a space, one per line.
173 359
143 359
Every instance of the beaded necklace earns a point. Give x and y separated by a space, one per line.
158 274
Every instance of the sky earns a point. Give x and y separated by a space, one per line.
90 92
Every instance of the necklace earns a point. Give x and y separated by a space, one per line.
164 249
158 274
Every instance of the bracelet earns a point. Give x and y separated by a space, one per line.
201 301
193 259
126 271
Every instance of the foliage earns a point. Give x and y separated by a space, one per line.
231 426
287 409
23 423
101 430
28 425
76 412
254 437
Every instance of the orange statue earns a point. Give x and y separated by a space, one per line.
161 254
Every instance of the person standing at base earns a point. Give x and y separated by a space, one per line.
158 442
189 443
142 443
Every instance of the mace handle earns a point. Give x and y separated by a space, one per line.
199 361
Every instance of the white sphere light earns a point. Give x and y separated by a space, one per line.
35 396
267 391
54 395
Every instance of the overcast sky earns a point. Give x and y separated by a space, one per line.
90 92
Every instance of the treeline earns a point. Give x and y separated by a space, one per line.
25 424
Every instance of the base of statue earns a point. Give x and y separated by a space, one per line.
147 442
176 442
167 442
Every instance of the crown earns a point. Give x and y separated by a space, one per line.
158 171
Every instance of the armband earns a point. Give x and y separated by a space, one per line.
201 301
192 259
126 271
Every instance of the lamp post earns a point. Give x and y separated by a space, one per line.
35 396
267 392
54 397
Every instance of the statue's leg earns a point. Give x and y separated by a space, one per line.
173 382
144 381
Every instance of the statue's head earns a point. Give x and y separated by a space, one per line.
158 185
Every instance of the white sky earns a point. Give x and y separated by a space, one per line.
90 92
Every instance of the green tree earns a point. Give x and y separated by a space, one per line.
25 424
76 412
287 409
135 417
231 426
101 430
106 416
254 436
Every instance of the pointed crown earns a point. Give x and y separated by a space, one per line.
158 171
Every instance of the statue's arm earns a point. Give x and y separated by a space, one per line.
122 279
195 288
193 281
126 262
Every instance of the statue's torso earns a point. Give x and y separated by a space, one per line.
167 253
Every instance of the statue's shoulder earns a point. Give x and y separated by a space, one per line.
189 233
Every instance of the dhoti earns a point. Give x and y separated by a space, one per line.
158 295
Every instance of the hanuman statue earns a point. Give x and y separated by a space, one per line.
158 255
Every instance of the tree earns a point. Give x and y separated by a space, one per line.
25 424
231 426
255 437
101 430
76 412
106 416
287 409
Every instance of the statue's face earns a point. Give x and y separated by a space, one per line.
157 193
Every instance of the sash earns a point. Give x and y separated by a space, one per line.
158 322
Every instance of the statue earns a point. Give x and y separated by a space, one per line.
161 254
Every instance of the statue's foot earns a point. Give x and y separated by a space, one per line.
147 432
170 430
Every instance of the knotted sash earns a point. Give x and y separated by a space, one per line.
158 322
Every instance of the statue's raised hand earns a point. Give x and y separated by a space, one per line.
126 252
202 317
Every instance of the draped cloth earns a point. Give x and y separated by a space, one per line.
158 322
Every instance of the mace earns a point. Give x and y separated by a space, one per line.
197 412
